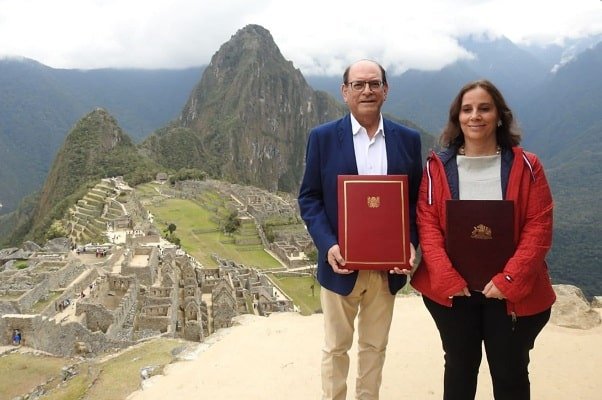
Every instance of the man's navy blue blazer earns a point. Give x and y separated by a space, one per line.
330 153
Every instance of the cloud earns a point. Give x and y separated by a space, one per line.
318 36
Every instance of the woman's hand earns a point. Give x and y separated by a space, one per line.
463 292
492 292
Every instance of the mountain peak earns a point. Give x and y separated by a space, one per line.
252 32
248 117
251 48
100 129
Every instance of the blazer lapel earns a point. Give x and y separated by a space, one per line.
392 146
346 140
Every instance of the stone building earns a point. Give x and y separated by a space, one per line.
69 302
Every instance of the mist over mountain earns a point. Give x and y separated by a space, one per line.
565 105
246 121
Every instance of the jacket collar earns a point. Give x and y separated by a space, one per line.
447 154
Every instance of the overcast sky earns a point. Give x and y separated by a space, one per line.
318 36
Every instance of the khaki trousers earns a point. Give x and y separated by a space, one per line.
372 298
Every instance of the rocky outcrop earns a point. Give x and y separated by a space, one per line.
58 245
31 246
572 309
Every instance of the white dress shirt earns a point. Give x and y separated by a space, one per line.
370 154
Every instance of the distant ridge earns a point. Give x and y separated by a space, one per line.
39 105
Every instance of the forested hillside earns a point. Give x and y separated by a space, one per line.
39 105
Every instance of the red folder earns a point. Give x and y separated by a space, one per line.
479 238
374 226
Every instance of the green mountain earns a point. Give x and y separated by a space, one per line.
575 176
565 106
39 105
562 119
246 121
95 148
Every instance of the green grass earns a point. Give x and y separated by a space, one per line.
145 190
120 376
197 226
111 379
21 265
200 235
20 373
299 289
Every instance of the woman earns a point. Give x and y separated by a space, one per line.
482 160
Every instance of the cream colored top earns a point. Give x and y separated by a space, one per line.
480 177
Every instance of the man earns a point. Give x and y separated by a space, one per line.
363 143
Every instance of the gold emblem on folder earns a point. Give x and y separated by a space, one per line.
481 232
373 201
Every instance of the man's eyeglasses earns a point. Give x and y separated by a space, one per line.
359 86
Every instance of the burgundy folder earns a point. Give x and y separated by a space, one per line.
480 238
374 227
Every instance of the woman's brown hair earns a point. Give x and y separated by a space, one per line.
508 133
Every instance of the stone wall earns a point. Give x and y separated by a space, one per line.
8 307
156 318
156 291
72 291
126 304
46 335
44 277
97 316
145 274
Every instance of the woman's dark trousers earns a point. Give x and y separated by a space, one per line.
475 320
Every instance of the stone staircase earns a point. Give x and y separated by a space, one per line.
87 219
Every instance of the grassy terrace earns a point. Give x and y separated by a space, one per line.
7 297
198 227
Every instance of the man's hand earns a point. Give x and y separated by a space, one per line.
337 261
404 271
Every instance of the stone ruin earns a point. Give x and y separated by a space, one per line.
66 306
97 298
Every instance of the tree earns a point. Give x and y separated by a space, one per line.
171 228
312 255
232 223
56 230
